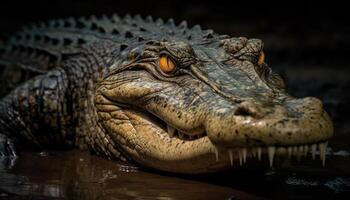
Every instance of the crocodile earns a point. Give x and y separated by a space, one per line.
158 94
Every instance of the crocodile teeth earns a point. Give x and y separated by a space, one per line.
271 153
216 154
231 156
244 154
171 131
297 151
323 147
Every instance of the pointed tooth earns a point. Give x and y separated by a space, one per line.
290 152
313 151
216 154
259 153
323 147
171 131
300 152
231 156
271 152
244 154
322 150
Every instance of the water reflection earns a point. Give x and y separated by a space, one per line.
78 175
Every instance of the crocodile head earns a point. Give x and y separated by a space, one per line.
195 107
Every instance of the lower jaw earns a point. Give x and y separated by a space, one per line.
213 159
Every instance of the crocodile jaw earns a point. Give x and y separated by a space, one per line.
153 143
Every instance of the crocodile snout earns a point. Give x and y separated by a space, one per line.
295 122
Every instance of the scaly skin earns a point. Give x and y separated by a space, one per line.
97 84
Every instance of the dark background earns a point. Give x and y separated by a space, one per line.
314 32
307 42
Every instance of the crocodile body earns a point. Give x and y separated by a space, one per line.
145 91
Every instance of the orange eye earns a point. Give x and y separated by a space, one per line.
261 58
166 64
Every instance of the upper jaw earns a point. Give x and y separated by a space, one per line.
278 133
299 122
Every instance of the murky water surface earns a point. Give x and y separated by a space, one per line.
78 175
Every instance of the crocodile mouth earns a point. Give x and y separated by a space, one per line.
247 153
147 138
176 133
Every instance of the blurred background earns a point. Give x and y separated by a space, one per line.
307 42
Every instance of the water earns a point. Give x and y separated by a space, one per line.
79 175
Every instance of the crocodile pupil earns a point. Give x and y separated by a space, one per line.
261 58
166 64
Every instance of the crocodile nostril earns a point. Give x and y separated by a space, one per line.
244 110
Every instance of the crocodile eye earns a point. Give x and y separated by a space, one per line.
261 58
166 64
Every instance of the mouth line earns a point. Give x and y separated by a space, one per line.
173 132
232 154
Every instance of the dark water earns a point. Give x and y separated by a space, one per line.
78 175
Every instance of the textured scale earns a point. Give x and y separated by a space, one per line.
45 45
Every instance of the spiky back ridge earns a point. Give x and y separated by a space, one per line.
56 37
42 46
